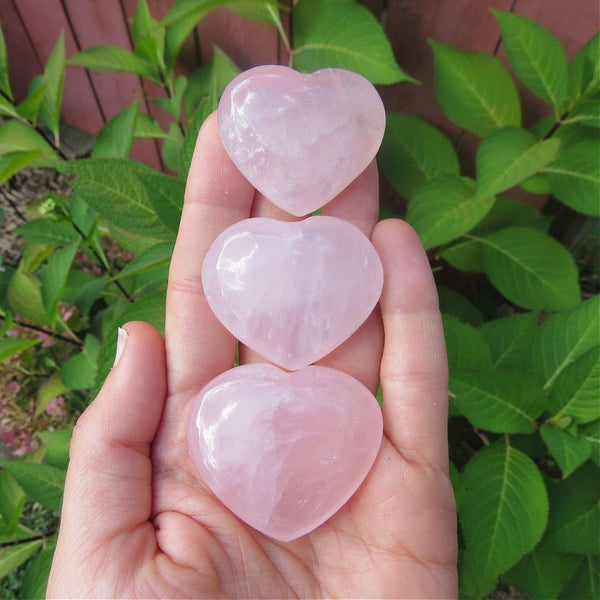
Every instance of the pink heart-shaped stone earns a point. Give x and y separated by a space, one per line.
284 451
292 291
301 139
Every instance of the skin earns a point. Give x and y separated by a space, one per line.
136 520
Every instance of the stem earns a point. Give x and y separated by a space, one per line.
48 332
168 87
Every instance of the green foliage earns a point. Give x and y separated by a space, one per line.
523 344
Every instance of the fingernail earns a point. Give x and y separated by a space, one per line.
121 339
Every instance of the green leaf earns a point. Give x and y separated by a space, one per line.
115 58
4 79
35 579
588 113
56 446
266 11
505 507
586 581
342 34
54 277
171 149
83 289
30 107
25 297
457 483
111 187
116 136
15 136
570 451
7 108
79 371
472 582
465 347
575 391
154 260
12 557
147 127
508 338
509 156
536 57
584 70
50 389
414 152
54 78
13 162
531 269
12 499
445 208
148 36
562 339
42 483
543 573
591 433
52 232
574 519
166 195
172 105
206 107
454 304
497 400
475 90
13 346
575 177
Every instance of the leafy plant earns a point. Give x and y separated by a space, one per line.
523 348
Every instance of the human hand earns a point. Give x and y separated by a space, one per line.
137 521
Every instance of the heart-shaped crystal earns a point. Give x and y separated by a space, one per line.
292 291
301 139
284 451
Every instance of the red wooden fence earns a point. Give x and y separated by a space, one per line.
31 28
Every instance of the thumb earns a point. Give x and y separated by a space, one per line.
108 487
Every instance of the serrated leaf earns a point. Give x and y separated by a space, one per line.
79 371
465 347
13 557
54 277
52 232
542 573
56 446
414 152
586 581
116 136
509 156
471 581
155 259
508 338
54 78
456 305
575 391
4 79
497 400
111 187
83 289
207 105
531 269
148 36
35 578
166 195
42 483
13 346
171 148
445 208
16 136
536 57
574 519
12 499
345 35
25 297
570 451
475 90
584 70
562 339
505 507
588 113
114 58
575 177
147 127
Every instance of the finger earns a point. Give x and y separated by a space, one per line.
216 196
108 486
414 374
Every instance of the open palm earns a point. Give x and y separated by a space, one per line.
137 521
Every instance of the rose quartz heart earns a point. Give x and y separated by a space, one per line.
301 139
292 291
284 451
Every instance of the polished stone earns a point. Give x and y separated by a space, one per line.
284 451
292 291
301 139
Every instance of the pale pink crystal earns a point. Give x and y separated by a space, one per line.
284 451
292 291
301 139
